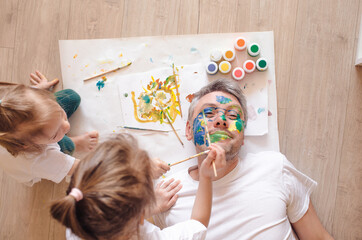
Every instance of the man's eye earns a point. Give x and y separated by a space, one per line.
233 116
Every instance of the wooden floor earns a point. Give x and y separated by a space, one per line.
318 87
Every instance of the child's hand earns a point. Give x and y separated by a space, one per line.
217 155
159 167
166 195
39 81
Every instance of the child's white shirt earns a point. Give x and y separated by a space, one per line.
187 230
29 168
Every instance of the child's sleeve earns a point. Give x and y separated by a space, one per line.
298 188
52 164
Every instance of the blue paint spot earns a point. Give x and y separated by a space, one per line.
260 110
100 84
193 50
151 60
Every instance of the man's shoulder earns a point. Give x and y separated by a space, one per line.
266 159
266 156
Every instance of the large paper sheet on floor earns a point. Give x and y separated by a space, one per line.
102 109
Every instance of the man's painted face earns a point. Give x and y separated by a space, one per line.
221 115
208 116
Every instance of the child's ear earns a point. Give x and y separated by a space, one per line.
188 131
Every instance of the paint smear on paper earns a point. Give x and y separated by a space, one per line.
100 85
190 97
260 110
251 113
157 92
194 50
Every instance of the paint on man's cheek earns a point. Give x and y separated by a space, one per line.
199 130
237 125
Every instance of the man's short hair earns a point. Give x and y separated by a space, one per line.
222 85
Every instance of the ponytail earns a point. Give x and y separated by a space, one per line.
116 187
64 210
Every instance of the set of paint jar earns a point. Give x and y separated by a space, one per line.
220 61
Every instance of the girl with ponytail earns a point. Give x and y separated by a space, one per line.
111 193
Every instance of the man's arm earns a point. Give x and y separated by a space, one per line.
309 226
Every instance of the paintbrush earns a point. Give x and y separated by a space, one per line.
169 121
113 70
177 93
209 140
186 159
145 129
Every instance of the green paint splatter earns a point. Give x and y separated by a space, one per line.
126 94
222 99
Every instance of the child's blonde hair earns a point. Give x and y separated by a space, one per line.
117 187
24 114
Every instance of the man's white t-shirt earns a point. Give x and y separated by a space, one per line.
258 199
29 168
187 230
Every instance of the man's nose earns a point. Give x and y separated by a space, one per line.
220 121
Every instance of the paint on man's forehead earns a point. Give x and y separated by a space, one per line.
222 99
